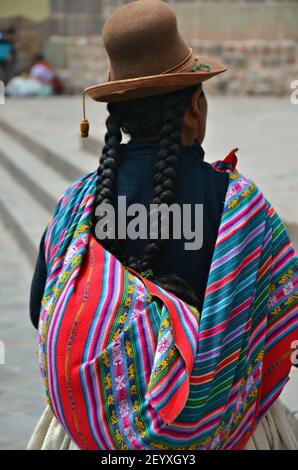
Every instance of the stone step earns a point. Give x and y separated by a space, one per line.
38 168
22 214
50 152
43 183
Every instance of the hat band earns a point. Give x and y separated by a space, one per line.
184 65
181 66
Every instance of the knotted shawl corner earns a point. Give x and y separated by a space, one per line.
168 388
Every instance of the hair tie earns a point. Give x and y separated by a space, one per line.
148 273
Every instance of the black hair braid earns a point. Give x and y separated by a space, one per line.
145 118
164 173
107 172
105 185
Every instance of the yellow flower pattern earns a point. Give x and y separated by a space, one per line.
286 276
110 399
108 381
131 374
114 418
128 349
233 203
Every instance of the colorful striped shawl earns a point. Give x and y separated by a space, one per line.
127 365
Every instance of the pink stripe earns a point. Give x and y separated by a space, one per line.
240 219
233 274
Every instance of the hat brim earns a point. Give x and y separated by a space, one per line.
134 88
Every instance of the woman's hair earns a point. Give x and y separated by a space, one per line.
159 117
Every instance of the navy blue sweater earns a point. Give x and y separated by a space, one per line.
197 183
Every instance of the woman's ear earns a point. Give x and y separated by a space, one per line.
191 121
202 106
192 113
195 103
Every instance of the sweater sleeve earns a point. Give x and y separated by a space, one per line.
38 284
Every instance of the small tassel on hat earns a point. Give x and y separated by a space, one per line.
84 126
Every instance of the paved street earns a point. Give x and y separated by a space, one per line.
21 395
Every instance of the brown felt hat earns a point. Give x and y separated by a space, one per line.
147 54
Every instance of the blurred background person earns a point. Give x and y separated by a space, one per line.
8 54
45 73
24 84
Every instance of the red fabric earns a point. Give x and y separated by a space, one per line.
232 158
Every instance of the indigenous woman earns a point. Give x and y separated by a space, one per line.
144 344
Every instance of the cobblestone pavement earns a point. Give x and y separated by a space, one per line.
21 394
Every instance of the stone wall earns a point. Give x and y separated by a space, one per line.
258 40
256 67
75 46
